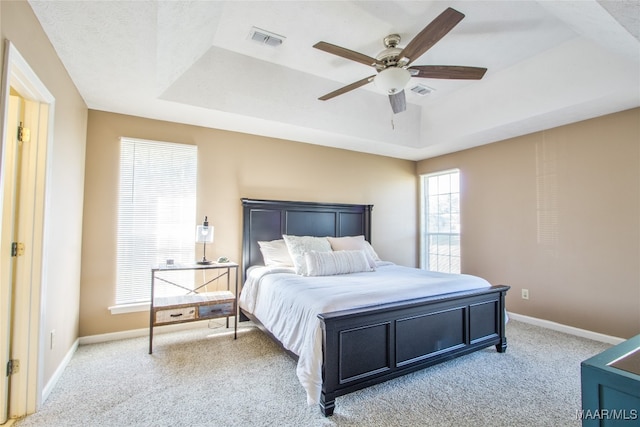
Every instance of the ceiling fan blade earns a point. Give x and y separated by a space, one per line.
347 88
431 34
348 54
447 72
398 102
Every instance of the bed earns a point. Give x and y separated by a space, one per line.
350 343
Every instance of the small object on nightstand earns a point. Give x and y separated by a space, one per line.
223 259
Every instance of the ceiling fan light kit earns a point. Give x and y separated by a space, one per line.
392 64
392 80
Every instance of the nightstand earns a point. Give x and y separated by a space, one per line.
194 304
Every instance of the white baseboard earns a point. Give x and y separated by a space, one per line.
135 333
61 367
566 329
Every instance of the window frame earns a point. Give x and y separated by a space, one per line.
186 247
425 234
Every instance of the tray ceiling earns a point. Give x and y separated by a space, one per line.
549 63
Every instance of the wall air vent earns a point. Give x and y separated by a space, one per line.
266 37
422 90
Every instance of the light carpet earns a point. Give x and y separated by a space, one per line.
204 377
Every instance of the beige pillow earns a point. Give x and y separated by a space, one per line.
353 243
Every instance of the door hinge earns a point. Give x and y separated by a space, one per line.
24 134
13 366
17 249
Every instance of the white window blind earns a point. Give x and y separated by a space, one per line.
441 221
156 213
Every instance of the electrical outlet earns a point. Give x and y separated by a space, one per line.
52 342
525 294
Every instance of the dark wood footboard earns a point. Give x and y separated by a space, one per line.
367 346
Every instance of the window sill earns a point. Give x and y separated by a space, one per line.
130 308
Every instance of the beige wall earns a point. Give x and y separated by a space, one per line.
558 213
65 181
555 212
231 166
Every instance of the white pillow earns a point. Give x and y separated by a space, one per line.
300 245
371 252
275 253
352 243
338 262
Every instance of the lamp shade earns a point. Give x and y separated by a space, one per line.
392 80
204 232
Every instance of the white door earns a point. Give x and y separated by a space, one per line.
8 179
22 232
22 198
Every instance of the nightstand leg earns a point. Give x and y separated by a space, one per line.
153 277
235 318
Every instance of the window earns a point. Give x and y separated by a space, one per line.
441 221
156 213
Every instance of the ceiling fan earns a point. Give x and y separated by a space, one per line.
392 64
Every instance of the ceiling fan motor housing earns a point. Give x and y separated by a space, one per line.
390 55
392 40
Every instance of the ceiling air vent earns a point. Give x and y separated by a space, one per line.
266 37
422 90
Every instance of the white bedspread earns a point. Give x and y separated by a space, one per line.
288 304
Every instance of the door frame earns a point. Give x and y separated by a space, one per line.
29 317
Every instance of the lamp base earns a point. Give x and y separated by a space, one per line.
205 262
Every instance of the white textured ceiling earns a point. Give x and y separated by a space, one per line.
549 63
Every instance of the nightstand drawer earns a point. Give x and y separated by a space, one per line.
175 315
217 310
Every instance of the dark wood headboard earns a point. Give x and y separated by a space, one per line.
270 219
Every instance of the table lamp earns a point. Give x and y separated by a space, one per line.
204 235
